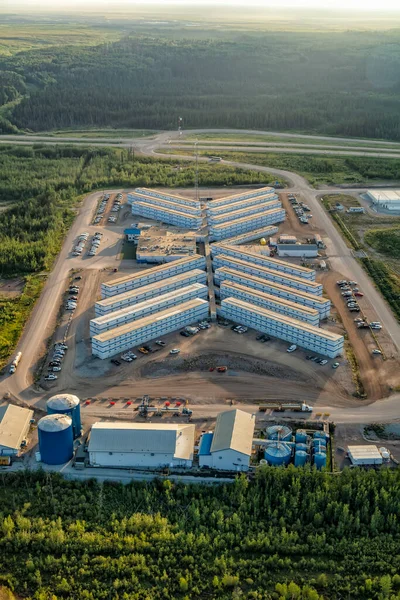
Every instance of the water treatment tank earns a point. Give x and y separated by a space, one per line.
56 441
278 454
66 404
302 447
301 436
319 443
320 460
279 432
300 458
320 435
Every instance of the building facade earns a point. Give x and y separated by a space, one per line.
164 196
297 250
259 208
194 211
245 224
166 215
14 428
241 196
227 208
256 234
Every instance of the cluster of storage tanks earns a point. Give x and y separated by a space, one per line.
283 447
58 429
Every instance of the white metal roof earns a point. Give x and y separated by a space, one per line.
157 438
364 452
14 423
385 196
234 431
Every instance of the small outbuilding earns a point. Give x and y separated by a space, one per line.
365 455
14 428
232 441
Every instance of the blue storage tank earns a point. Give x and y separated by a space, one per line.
282 433
67 404
319 443
321 435
301 436
56 440
302 447
300 458
320 460
278 454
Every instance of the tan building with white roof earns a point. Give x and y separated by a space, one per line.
14 427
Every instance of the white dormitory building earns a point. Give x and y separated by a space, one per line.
252 282
245 224
230 289
169 284
297 283
241 196
257 258
141 445
167 215
131 282
243 212
243 238
193 211
125 337
14 428
231 443
163 196
282 327
147 307
228 208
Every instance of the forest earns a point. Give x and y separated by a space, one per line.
339 83
289 534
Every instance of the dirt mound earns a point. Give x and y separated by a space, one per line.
176 365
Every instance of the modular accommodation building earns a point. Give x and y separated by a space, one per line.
258 258
147 307
282 327
227 208
14 428
242 238
322 305
241 196
131 282
141 445
113 303
297 283
245 224
148 328
171 197
229 289
243 212
194 211
167 215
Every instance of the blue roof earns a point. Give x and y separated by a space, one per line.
205 444
135 231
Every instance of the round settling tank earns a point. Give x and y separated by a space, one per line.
66 404
282 433
302 447
301 436
56 441
278 454
300 458
320 460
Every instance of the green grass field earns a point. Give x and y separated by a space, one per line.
252 138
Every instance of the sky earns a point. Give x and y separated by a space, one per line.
349 5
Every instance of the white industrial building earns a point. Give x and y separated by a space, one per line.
297 283
243 212
322 305
114 303
147 307
141 445
257 258
131 282
230 289
282 327
164 196
241 196
134 198
386 199
245 224
297 250
166 215
14 428
365 455
231 443
227 208
148 328
243 238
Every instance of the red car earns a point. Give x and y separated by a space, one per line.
358 294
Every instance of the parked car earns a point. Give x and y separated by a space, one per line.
55 363
222 369
174 351
376 351
50 377
292 348
359 294
115 362
335 365
161 343
143 350
55 369
323 362
184 333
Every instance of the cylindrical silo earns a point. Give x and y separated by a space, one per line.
320 435
278 454
66 404
282 433
301 436
300 458
302 447
320 460
56 440
318 444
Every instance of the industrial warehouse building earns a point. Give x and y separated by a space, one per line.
365 455
257 258
243 212
297 283
131 282
164 196
229 447
322 305
113 303
245 224
241 196
14 428
141 445
166 215
138 332
230 289
147 307
170 204
282 327
297 250
243 238
227 208
386 199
